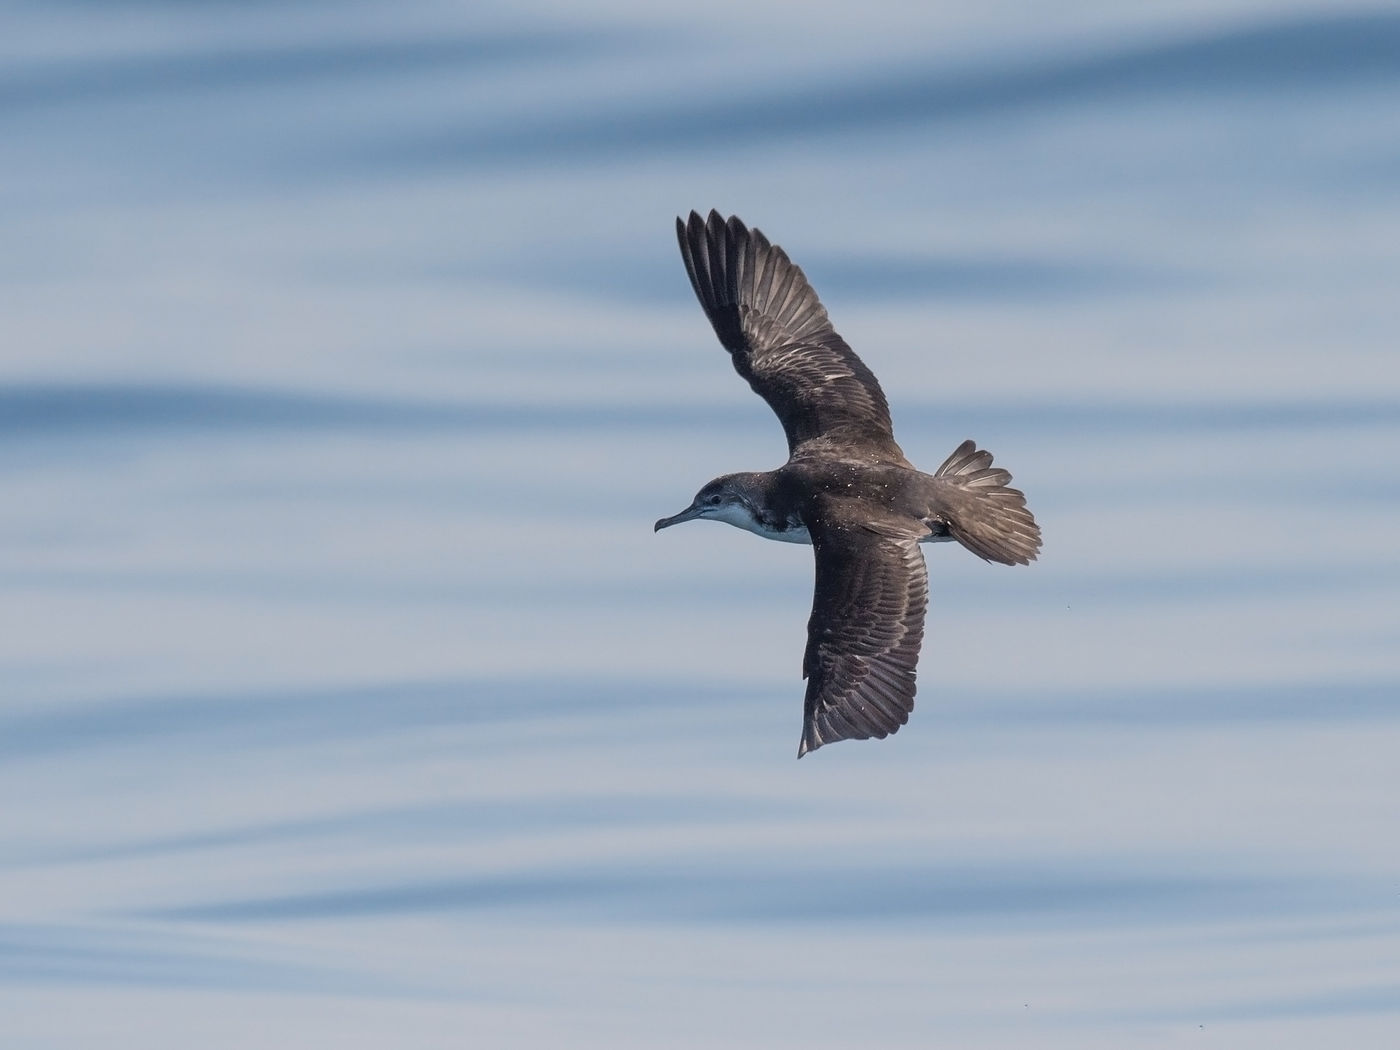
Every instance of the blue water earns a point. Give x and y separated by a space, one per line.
346 359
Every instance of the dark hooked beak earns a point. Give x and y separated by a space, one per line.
689 514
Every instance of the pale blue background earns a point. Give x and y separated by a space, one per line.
346 359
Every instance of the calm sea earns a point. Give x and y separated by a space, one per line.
347 698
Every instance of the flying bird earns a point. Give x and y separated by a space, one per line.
846 488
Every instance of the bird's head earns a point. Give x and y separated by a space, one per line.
730 499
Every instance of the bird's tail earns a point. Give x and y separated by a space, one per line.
982 512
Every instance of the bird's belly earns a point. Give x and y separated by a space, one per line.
796 533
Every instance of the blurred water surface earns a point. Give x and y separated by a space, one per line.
346 359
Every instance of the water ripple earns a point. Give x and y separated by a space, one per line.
1303 54
813 891
44 410
291 66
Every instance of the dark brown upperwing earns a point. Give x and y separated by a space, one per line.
866 627
776 330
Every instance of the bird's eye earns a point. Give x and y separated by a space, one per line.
712 499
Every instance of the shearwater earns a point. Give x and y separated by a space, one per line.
846 488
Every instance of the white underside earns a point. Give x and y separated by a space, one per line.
797 535
739 516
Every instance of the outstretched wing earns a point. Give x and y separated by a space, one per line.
776 330
866 627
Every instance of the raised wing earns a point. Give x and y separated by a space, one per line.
776 330
866 627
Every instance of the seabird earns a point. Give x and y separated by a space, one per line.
846 488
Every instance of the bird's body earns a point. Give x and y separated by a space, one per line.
777 504
847 488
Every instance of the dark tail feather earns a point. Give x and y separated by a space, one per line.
983 513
